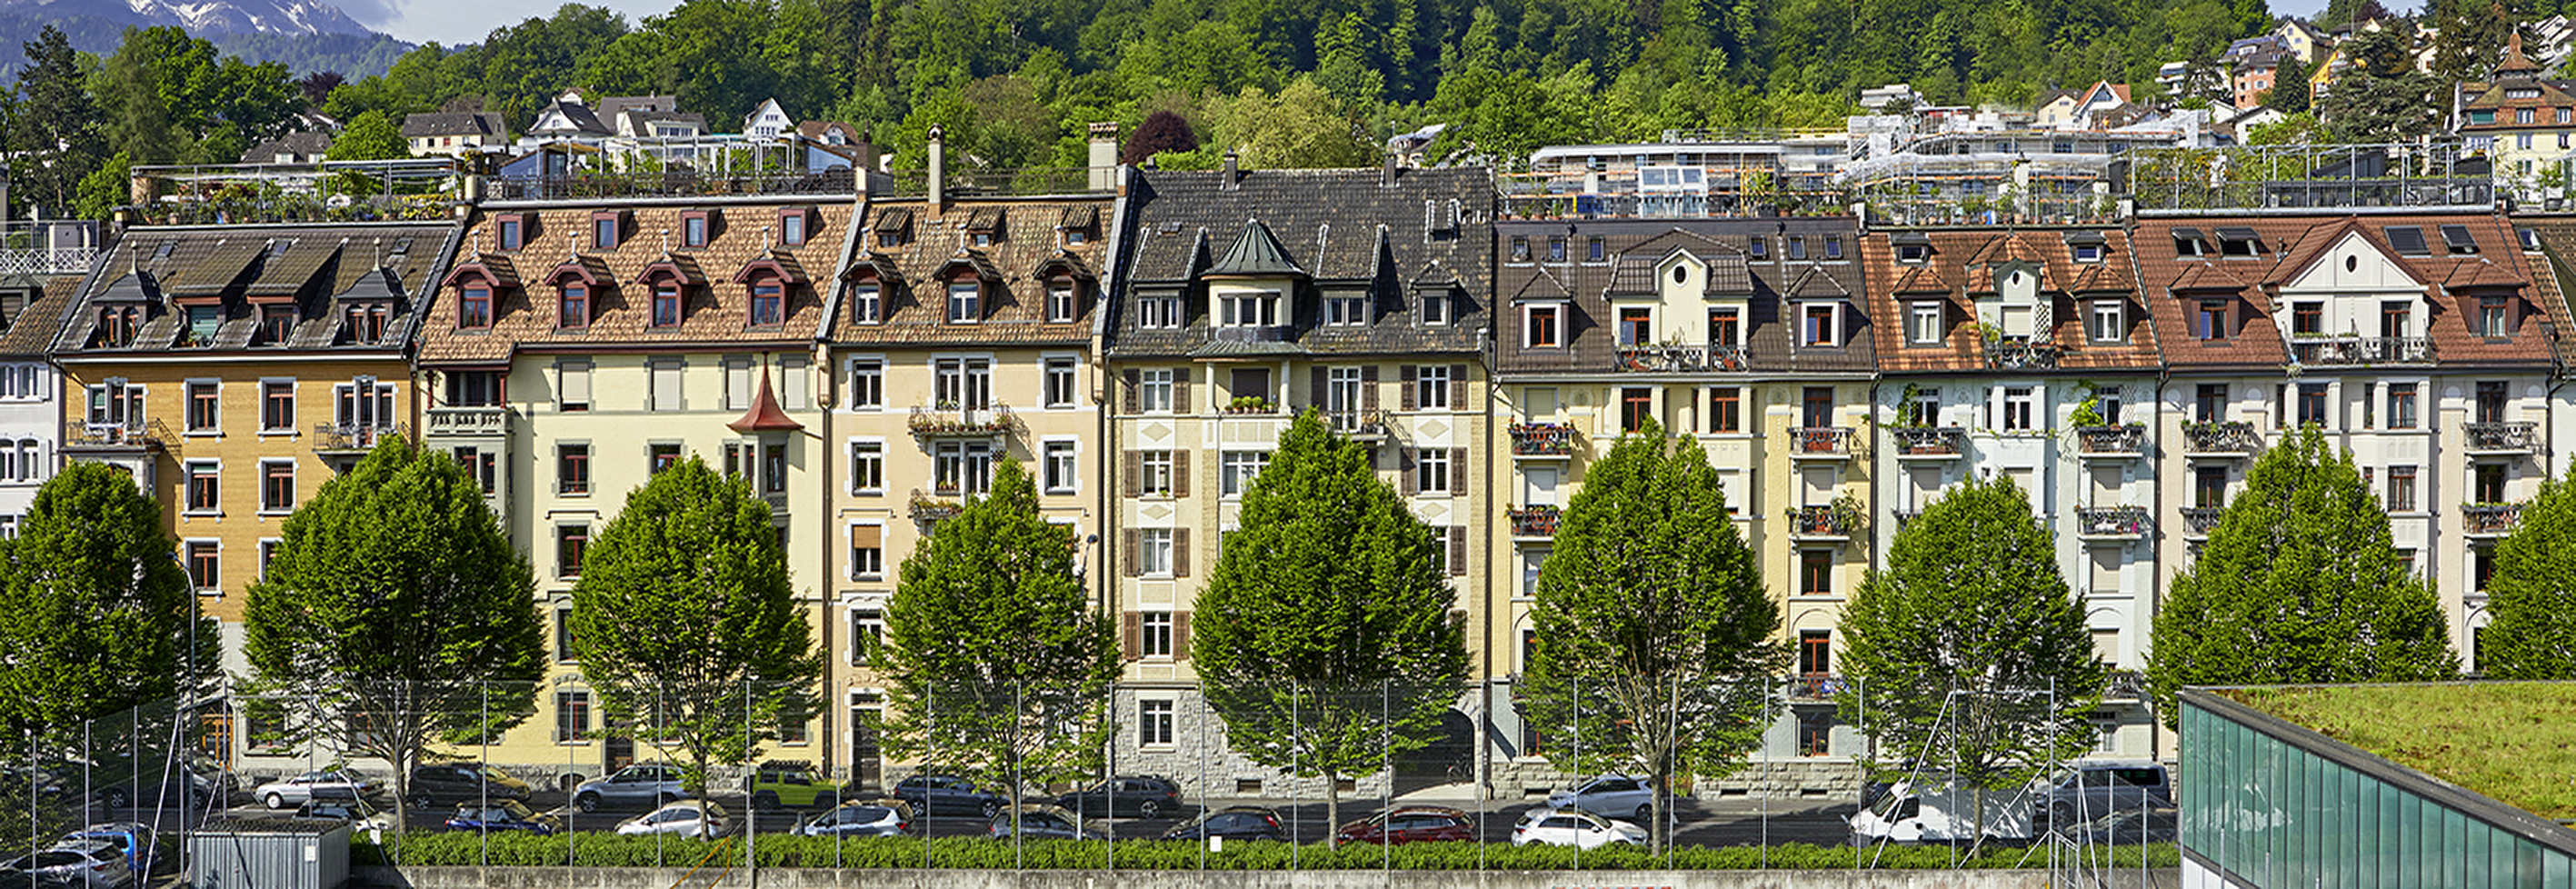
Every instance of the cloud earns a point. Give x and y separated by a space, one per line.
371 13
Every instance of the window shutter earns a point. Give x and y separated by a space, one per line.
1131 636
576 383
1180 473
737 383
666 385
1130 481
1368 387
1412 479
1130 396
1321 396
1458 387
1181 635
1181 390
1405 376
1458 471
867 536
1128 547
1457 549
1180 552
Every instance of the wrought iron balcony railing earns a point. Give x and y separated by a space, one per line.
2124 685
2111 521
1535 521
1674 359
2112 441
2362 350
2228 438
2015 355
1930 442
2489 519
2198 520
1824 521
445 421
134 433
1542 439
1359 423
1821 441
343 438
949 421
2502 438
1815 686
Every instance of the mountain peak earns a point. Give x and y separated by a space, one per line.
204 18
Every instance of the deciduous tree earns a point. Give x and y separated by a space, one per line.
2531 599
94 609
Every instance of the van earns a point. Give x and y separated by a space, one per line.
2089 790
1932 810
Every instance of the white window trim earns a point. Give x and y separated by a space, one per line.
1075 488
1171 739
184 466
187 400
264 464
263 547
1144 545
187 545
849 365
851 447
2093 315
1526 329
1076 358
851 531
1171 634
1913 314
1834 338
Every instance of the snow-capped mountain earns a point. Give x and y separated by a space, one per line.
204 18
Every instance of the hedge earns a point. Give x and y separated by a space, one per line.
780 850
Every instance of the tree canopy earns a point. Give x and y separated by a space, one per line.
2531 599
94 611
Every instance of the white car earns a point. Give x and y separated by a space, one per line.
862 818
287 793
92 864
1610 796
1574 827
688 818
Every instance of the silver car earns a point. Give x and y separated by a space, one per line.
1610 796
287 793
91 864
633 787
2093 789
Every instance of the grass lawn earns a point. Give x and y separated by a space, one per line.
2512 741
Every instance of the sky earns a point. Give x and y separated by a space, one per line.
451 22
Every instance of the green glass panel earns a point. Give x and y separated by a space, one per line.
2554 872
2455 848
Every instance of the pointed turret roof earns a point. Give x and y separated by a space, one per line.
764 415
1256 254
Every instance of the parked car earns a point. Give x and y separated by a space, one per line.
1044 821
1142 796
1934 809
141 846
460 783
1610 796
2152 825
295 790
503 817
89 864
1574 827
1231 822
173 788
781 783
2093 789
340 803
641 785
1411 824
948 794
861 818
698 818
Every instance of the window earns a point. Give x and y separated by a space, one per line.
965 302
2490 406
1237 469
960 468
1913 253
1594 249
2312 404
1154 722
1156 635
867 304
2212 324
2494 320
571 541
572 470
572 716
1815 652
1636 326
1435 310
1759 247
2401 405
867 631
1925 409
1520 249
1816 572
2209 487
2110 321
2401 489
2396 319
1059 382
572 307
202 405
773 468
1249 310
867 552
465 388
2487 482
1063 299
963 383
1726 409
2209 403
1431 385
1797 247
512 232
1158 312
276 324
1058 467
1431 470
1923 323
1155 555
768 303
482 465
2088 253
1154 473
1539 327
2307 318
1342 311
1154 390
867 384
660 456
1818 329
1636 404
2187 243
205 565
693 229
1833 247
1556 248
791 228
2021 408
474 307
204 485
277 486
666 303
867 467
604 231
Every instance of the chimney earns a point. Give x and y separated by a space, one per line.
938 170
1104 156
1228 182
1386 174
864 150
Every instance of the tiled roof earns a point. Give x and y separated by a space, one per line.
1256 254
32 326
1592 342
311 265
453 123
1973 256
714 313
1016 267
1349 230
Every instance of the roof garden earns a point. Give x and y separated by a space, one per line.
2514 742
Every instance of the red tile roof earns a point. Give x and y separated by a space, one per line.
1972 256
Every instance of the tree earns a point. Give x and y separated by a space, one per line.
2382 98
55 136
397 600
1969 643
1162 131
2298 583
1300 127
1654 633
2531 599
316 88
993 661
106 188
94 611
1323 637
2289 92
685 620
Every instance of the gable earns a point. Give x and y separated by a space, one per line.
2354 263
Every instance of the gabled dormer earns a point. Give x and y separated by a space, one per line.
769 283
873 280
2014 301
970 281
2353 289
1250 287
580 283
1070 285
123 307
666 285
366 308
479 284
984 227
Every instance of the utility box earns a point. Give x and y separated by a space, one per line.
284 853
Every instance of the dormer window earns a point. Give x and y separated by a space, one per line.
1542 326
2407 240
695 227
2458 241
607 229
1520 249
1833 246
1923 323
1797 247
768 302
276 324
1595 249
2495 317
1435 309
511 231
2110 321
2239 243
2211 323
793 225
117 327
1064 300
965 301
572 307
2187 243
1556 248
1759 248
889 237
1249 309
1158 312
1912 247
666 303
203 321
1344 311
366 322
2088 253
474 306
1820 325
1725 327
984 227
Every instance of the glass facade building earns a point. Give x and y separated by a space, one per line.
2267 804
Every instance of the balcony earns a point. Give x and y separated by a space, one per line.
47 247
1815 687
2221 441
1824 523
2111 442
2124 685
2198 520
2361 351
1929 442
1534 522
926 508
2111 522
1681 359
1820 442
350 439
1365 425
950 421
1543 440
2489 520
2502 439
447 422
1249 405
2018 355
130 435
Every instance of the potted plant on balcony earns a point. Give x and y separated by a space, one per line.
1248 404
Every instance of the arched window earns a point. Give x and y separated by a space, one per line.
768 306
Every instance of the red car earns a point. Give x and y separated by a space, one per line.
1412 824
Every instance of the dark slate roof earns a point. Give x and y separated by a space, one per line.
1256 254
313 265
1346 230
1721 244
301 144
453 123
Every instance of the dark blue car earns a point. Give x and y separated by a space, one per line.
504 816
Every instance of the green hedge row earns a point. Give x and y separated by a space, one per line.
608 850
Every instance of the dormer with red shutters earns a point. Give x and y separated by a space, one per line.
666 285
873 280
769 283
1070 286
970 282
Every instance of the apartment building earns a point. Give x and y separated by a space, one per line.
1243 296
1750 335
2026 354
2419 341
2525 122
234 369
963 330
31 393
578 346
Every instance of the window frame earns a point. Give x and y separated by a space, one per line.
270 503
572 469
867 467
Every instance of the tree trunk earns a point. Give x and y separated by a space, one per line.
1333 814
